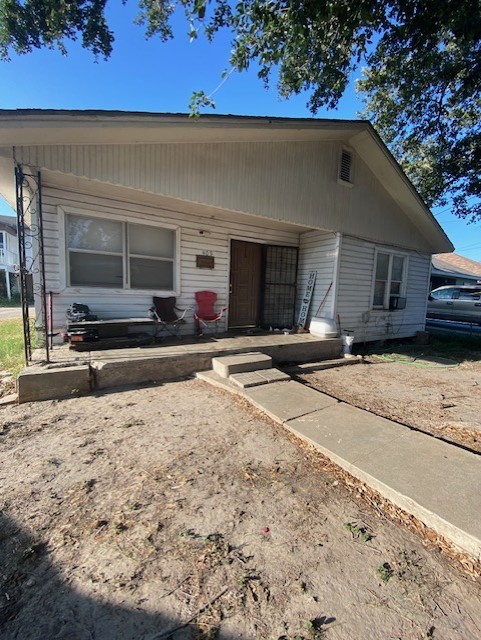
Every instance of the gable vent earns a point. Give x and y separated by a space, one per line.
345 166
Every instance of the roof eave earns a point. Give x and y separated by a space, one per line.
30 127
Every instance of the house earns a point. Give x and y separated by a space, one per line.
8 255
143 204
451 268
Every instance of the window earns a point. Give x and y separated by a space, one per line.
469 294
389 285
443 294
109 253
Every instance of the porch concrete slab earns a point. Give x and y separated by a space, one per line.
256 378
180 358
250 361
118 373
288 400
35 384
437 482
282 348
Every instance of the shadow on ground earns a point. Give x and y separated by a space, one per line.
38 603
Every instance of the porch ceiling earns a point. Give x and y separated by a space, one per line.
133 196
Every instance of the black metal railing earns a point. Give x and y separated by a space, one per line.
31 267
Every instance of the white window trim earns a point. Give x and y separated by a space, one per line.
125 290
387 292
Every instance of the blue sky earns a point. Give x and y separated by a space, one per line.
146 75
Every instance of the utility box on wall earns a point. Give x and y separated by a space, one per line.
396 302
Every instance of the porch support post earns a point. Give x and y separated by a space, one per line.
7 284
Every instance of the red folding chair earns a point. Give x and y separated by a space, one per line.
205 316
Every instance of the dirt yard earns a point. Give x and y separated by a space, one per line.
180 512
430 393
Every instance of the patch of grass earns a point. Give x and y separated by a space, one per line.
316 629
460 348
12 353
131 423
30 553
246 576
89 485
14 302
357 531
457 346
385 572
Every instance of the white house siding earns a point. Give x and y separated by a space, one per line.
318 252
9 254
117 303
294 182
356 273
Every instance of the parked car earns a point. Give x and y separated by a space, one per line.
459 303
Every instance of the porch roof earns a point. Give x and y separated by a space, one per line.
30 127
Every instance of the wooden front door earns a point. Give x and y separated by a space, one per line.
245 283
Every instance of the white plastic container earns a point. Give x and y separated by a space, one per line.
347 342
323 327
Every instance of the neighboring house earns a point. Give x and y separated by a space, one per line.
451 268
141 204
8 255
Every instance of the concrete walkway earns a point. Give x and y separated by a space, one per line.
10 313
438 483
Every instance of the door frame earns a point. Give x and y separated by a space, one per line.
261 241
259 293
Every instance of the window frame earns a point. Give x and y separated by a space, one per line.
125 222
387 287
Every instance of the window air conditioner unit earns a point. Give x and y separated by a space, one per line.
396 302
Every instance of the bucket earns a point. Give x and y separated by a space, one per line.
323 327
347 342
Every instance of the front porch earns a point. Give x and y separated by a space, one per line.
71 373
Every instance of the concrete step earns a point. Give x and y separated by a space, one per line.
241 362
249 379
312 367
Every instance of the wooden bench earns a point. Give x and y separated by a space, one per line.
86 335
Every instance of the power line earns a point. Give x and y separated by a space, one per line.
469 246
448 209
